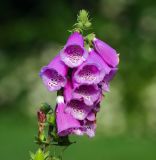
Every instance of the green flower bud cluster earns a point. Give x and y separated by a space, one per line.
83 21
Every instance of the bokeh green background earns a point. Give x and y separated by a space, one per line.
33 31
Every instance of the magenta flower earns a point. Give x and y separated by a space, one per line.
92 71
78 109
108 54
66 124
74 53
54 74
89 93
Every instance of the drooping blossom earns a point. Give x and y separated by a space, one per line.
66 123
108 54
78 109
92 71
89 93
54 74
74 53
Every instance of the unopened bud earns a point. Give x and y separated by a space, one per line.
41 116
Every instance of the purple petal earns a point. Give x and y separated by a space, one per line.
68 89
54 74
89 93
111 75
105 83
105 86
66 124
90 127
74 53
92 71
75 38
78 109
97 107
78 131
91 116
108 54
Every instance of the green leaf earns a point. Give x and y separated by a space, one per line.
90 37
46 155
39 155
32 155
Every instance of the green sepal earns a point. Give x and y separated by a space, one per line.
55 136
51 119
42 138
45 107
87 46
89 38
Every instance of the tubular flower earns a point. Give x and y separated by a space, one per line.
66 124
54 74
108 54
74 53
89 93
92 71
78 109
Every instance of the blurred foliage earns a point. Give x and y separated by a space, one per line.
33 31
